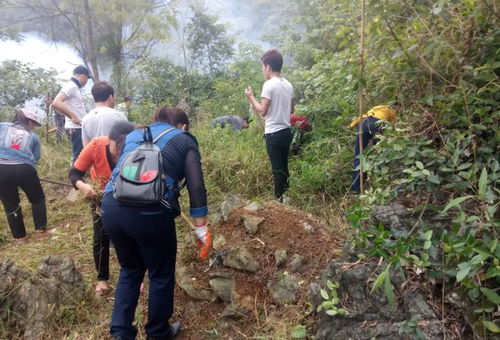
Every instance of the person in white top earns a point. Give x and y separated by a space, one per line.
69 102
276 107
99 121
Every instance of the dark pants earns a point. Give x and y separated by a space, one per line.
24 176
370 129
100 245
278 147
144 239
75 136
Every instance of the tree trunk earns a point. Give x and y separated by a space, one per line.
91 52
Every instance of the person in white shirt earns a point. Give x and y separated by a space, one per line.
69 102
99 121
276 107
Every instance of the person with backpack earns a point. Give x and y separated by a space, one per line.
19 153
139 218
99 157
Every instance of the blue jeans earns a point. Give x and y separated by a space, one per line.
144 239
75 136
370 129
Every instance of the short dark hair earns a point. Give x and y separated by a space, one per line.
178 116
82 70
274 59
171 115
120 130
161 115
247 119
127 98
101 91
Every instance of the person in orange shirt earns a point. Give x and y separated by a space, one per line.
99 156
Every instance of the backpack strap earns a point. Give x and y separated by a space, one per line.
161 134
147 136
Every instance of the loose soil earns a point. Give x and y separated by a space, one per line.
282 230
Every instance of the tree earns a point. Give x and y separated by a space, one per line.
210 45
20 82
104 34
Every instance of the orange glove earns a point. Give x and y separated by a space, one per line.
203 239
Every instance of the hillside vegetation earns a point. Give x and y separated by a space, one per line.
439 59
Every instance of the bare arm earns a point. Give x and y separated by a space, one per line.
260 108
61 106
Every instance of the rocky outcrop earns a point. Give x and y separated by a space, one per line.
285 288
29 301
370 315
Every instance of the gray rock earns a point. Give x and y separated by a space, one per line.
314 295
222 286
285 288
30 301
308 228
185 282
253 207
231 203
219 241
216 218
252 223
415 304
239 258
297 262
391 216
280 257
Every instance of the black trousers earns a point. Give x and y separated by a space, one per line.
24 176
100 245
278 148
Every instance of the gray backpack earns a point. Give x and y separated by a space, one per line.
140 180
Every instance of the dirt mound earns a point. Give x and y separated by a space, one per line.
266 257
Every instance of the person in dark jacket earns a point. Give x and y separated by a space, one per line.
144 236
19 153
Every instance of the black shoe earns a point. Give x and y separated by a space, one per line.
174 331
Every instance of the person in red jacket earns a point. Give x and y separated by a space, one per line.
300 125
99 157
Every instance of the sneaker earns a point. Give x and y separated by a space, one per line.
284 199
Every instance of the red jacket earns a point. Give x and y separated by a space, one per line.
300 121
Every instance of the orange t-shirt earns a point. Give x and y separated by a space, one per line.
94 157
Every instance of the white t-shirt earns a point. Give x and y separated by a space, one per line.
74 100
280 92
99 121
